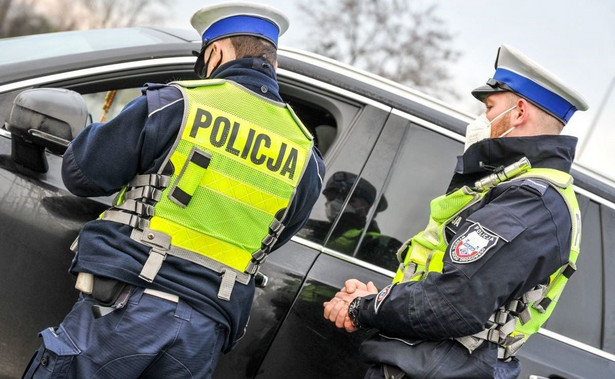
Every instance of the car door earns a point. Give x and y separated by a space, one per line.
578 340
347 127
40 218
408 167
405 180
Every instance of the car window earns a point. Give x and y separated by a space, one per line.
113 101
319 114
354 234
422 171
326 115
388 200
344 160
6 103
103 106
95 103
417 175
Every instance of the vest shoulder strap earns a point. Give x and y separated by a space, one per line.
558 178
197 83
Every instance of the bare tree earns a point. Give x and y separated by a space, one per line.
96 14
20 17
16 19
5 5
396 39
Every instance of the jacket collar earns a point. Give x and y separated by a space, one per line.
256 74
544 151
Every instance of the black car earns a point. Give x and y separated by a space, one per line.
372 132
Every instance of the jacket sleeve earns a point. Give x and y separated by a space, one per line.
526 239
106 156
308 191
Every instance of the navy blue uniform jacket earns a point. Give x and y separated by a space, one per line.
104 157
417 320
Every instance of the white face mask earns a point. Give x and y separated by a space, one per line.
480 128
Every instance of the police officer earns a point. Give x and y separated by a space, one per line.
498 247
212 175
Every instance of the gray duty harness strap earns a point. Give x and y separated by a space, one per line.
136 212
161 248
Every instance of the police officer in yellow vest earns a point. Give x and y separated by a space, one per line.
211 176
497 250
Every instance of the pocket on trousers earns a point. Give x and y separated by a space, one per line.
54 357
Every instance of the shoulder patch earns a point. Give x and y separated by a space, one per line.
472 245
383 294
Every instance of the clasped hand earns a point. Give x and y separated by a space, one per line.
336 309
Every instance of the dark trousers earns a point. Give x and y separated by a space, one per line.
149 337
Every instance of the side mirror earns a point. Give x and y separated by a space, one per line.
44 118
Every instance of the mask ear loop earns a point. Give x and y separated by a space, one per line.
506 132
217 65
502 114
200 68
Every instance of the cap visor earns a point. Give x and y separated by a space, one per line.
482 92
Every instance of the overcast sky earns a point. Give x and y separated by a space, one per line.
574 39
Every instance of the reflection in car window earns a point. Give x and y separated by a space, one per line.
418 175
351 226
373 224
363 238
347 155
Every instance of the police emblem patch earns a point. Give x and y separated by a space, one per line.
472 245
381 296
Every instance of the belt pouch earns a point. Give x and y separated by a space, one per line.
106 290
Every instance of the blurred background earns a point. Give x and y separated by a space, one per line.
444 48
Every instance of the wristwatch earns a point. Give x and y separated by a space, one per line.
353 311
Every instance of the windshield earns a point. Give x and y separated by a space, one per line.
40 46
